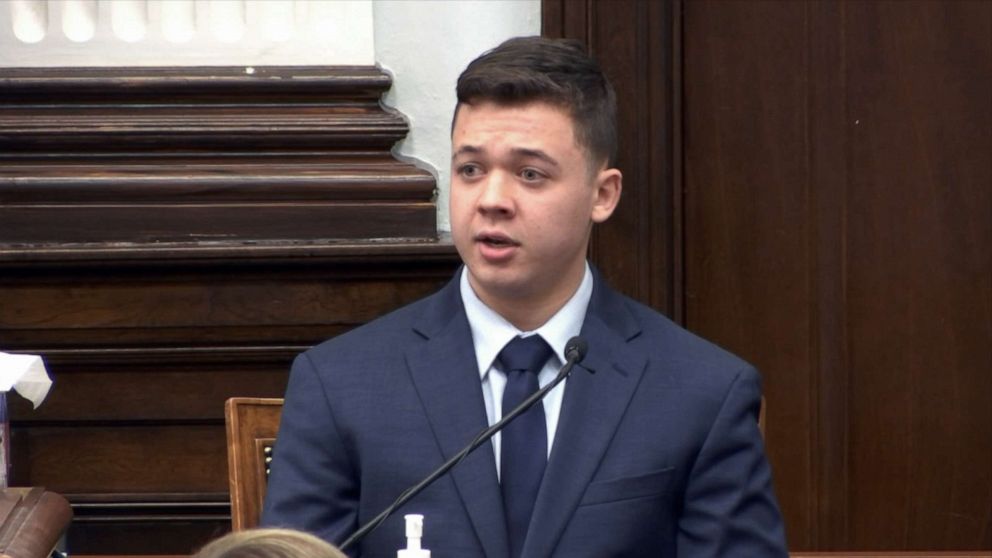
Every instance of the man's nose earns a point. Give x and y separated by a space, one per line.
497 195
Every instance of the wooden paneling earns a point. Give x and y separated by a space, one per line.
838 235
210 300
132 155
919 297
748 277
170 238
118 458
135 392
144 352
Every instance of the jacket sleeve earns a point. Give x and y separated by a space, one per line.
313 486
730 508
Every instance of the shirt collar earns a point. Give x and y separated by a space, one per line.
491 332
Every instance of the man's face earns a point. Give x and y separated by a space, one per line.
523 199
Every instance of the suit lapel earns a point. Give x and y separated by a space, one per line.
593 406
445 373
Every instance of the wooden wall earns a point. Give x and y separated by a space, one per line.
827 215
170 238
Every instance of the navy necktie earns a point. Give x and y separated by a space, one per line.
524 441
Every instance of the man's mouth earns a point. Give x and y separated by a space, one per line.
496 240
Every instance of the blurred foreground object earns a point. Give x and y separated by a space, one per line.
26 374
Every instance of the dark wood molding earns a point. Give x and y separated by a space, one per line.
123 110
144 156
217 83
124 523
226 253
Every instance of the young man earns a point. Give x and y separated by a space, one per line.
650 448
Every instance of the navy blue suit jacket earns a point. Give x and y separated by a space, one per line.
657 452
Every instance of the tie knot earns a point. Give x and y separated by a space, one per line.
525 353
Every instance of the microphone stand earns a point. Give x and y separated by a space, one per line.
575 351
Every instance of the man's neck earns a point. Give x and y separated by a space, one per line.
530 316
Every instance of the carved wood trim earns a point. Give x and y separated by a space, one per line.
136 157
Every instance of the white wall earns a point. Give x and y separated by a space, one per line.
425 44
185 32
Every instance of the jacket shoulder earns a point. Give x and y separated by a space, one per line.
677 348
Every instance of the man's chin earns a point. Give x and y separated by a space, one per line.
496 284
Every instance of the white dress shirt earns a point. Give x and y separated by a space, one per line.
491 332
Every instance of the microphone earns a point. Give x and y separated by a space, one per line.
575 351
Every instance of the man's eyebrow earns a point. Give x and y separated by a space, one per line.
466 149
516 151
535 153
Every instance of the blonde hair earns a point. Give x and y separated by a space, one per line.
269 543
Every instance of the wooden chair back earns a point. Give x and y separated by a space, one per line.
252 424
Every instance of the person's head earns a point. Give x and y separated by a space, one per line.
533 140
269 543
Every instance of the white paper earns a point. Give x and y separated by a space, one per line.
26 374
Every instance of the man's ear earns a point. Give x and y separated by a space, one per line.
608 184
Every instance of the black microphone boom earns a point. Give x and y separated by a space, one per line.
575 351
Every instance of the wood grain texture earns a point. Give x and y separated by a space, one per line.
171 238
252 425
217 84
122 458
918 267
32 520
747 278
838 194
144 352
151 155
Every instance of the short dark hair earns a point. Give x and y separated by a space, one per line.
555 71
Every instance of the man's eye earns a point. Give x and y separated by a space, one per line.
531 175
469 171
